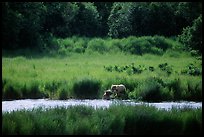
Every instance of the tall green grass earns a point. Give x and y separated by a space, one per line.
72 74
118 120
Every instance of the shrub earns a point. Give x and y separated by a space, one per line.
150 92
194 91
191 36
80 45
52 87
63 94
86 88
133 46
97 45
115 45
151 89
176 88
146 44
10 92
160 42
34 90
191 70
64 91
165 67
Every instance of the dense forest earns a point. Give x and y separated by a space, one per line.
34 24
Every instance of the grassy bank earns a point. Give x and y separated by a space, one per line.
114 120
172 75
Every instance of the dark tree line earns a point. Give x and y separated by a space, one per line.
31 24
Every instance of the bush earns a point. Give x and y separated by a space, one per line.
64 91
115 45
191 70
194 91
160 42
63 94
191 36
165 67
10 92
152 89
79 46
175 87
52 87
86 88
98 45
146 44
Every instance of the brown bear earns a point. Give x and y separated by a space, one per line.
118 89
107 94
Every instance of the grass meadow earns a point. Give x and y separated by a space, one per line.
153 68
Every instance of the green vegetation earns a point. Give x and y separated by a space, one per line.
62 50
66 50
33 25
171 75
119 119
192 36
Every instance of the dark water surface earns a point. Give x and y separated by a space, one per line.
29 104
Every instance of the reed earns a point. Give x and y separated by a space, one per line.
117 119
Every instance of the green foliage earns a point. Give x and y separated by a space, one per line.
165 67
63 93
118 20
104 9
176 88
146 44
191 36
152 90
86 88
151 18
191 123
115 120
188 11
191 69
33 91
193 91
87 21
97 45
58 18
55 77
10 91
135 45
26 25
27 19
129 69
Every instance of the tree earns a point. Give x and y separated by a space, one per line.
185 13
21 24
87 21
59 16
104 9
119 20
151 18
11 25
191 36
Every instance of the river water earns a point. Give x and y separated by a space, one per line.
29 104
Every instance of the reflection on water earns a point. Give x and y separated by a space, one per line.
29 104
